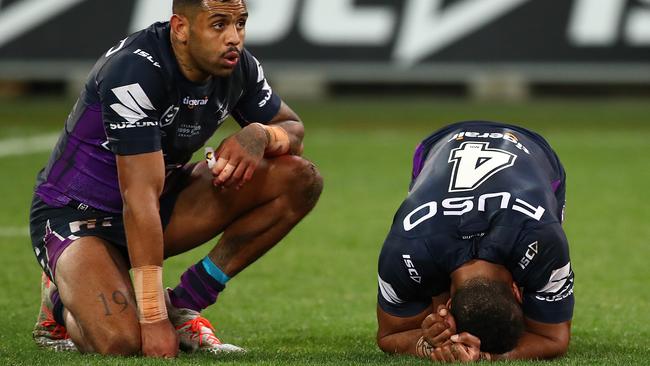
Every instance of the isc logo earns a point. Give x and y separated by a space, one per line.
413 273
530 254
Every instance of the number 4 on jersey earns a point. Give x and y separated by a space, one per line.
474 163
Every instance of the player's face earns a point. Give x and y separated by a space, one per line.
217 36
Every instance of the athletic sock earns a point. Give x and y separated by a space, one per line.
57 308
200 286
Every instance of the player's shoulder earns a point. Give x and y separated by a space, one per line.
145 53
249 60
405 247
545 273
542 249
550 234
250 68
409 275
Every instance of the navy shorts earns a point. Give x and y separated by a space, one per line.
53 229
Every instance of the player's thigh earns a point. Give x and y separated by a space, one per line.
94 284
202 211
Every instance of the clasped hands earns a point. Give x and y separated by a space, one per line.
440 342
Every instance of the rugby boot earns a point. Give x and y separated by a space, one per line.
47 332
195 332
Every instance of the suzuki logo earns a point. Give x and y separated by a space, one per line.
133 100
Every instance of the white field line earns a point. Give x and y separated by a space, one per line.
14 232
27 145
24 146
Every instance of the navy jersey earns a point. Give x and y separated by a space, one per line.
135 101
480 190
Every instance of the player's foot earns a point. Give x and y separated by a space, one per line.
195 332
47 333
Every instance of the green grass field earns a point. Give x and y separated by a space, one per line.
311 300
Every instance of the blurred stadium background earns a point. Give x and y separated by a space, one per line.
370 79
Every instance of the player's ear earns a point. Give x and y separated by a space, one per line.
180 27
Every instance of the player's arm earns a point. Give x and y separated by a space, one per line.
540 341
548 310
397 334
141 179
269 129
238 156
132 98
290 123
416 335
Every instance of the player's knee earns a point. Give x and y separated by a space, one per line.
120 342
384 345
306 184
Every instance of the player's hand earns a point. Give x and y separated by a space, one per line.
159 339
238 156
438 327
465 347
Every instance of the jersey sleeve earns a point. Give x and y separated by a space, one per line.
258 102
131 91
406 277
548 291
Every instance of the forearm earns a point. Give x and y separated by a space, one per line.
532 346
145 245
296 132
401 343
143 230
141 180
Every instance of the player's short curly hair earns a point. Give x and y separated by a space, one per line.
177 5
489 310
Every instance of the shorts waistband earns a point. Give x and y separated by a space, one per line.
80 206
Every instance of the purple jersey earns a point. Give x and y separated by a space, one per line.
137 101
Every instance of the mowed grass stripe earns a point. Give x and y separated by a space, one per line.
27 145
14 232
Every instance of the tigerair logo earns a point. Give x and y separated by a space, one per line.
490 135
193 103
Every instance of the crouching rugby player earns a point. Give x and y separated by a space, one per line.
120 194
476 263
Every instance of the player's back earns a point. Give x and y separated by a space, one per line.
471 176
480 191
